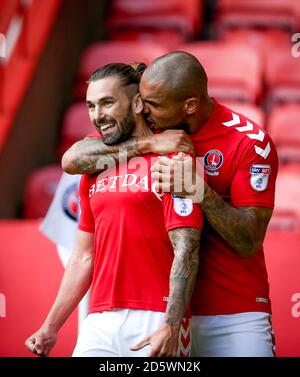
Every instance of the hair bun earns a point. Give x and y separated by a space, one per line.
139 68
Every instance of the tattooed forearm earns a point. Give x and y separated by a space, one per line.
186 243
92 155
243 228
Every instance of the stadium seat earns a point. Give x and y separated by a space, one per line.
103 53
282 14
287 198
76 125
168 38
39 190
252 112
282 73
234 71
265 41
284 220
284 128
184 16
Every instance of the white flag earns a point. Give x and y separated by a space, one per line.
60 223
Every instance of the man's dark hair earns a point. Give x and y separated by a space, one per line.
128 73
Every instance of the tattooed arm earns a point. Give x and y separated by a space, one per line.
91 155
243 228
186 243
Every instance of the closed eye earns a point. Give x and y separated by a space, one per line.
107 103
151 103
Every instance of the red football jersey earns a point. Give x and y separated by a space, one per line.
133 253
241 164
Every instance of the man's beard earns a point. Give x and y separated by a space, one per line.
122 129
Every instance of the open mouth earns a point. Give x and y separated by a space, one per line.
106 126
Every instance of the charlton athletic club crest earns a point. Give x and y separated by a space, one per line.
213 160
70 202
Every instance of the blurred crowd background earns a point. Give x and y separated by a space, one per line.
48 48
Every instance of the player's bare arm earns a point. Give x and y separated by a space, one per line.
91 155
75 283
243 228
186 243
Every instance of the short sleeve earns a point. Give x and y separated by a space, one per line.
86 220
255 177
181 212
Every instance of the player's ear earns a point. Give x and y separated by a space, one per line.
137 104
191 105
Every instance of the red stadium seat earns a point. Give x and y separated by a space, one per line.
114 52
184 16
284 220
283 77
265 41
287 198
234 71
76 125
284 128
39 190
262 13
168 38
252 112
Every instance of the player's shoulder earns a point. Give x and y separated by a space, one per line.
246 136
240 124
241 128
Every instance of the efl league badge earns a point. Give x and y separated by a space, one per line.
70 202
213 159
182 206
259 176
